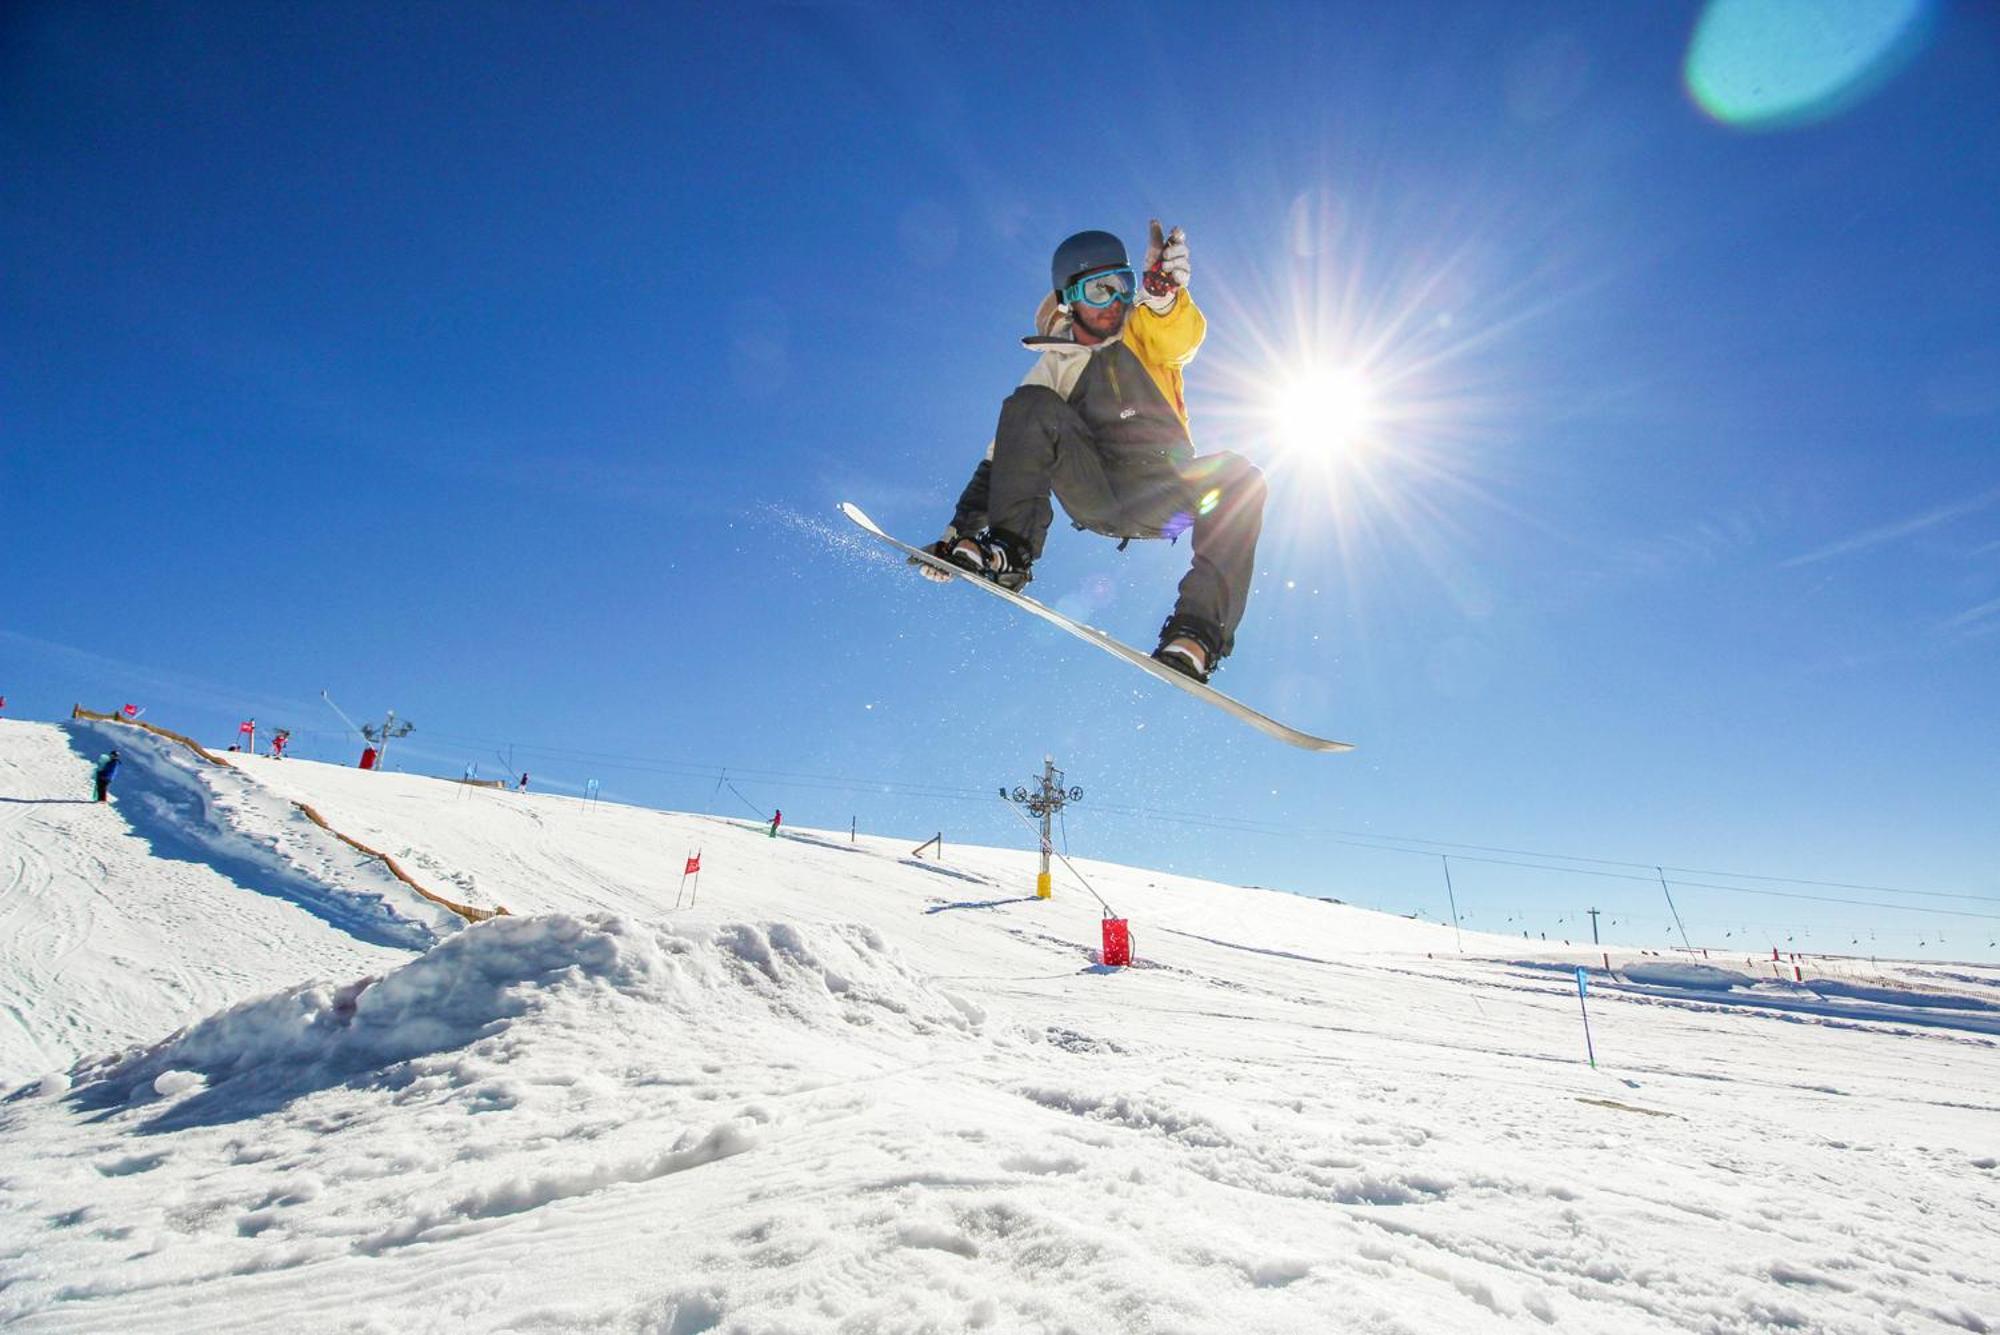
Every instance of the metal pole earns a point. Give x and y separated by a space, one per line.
382 751
1676 912
1048 786
1589 1048
1045 800
1109 912
1599 944
1453 898
354 727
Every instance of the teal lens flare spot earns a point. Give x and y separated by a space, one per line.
1775 64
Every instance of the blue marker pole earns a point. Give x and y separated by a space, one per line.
1590 1050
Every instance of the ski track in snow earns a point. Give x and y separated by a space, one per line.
852 1091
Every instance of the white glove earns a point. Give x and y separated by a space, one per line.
1166 268
939 550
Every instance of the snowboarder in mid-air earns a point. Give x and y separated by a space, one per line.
107 765
1101 421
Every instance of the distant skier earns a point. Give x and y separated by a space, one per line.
777 819
1101 420
522 786
107 765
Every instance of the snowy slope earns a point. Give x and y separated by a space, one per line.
849 1090
122 920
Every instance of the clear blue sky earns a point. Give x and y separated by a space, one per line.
504 364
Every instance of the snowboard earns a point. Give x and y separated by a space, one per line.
1146 663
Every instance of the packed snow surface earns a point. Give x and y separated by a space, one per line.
256 1084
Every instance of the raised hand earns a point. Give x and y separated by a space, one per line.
1166 266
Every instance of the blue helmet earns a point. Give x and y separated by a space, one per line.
1083 253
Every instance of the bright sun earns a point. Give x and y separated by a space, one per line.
1324 413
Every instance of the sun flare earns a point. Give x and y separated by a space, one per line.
1326 412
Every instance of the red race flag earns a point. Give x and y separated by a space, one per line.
248 725
694 865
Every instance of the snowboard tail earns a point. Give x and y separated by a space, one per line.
1207 694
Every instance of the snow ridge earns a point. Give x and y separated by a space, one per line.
229 821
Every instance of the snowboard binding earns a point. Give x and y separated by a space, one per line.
1190 646
995 554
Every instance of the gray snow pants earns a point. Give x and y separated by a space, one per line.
1130 490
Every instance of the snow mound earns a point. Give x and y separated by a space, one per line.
480 982
1700 977
522 1070
845 973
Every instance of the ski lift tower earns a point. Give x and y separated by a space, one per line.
1046 801
377 735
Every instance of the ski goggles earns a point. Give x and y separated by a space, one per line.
1101 288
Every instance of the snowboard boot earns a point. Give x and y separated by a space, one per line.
1188 646
996 554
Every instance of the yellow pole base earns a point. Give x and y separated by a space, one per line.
1042 890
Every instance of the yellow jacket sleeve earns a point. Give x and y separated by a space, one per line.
1166 343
